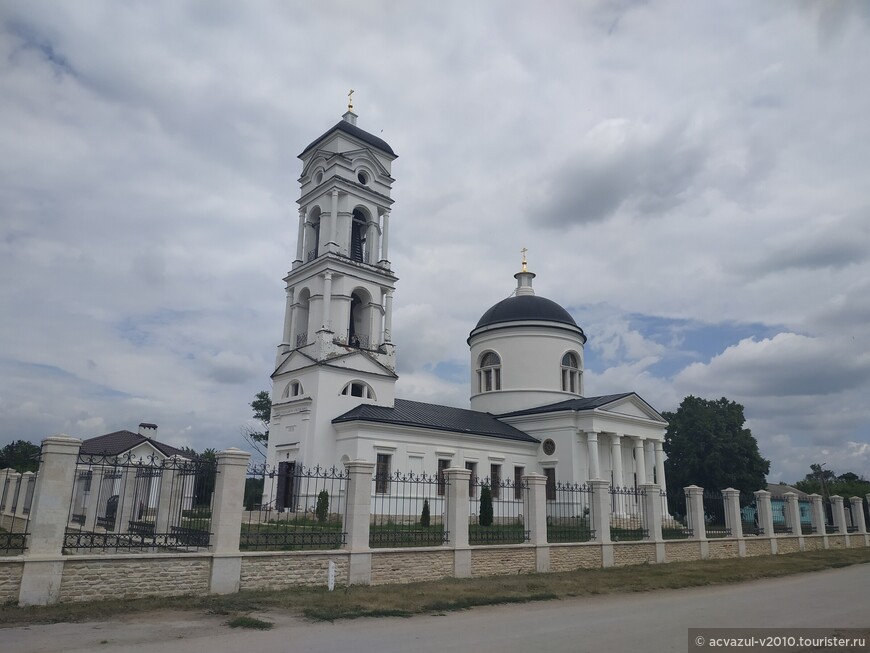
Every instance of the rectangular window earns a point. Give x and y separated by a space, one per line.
518 482
382 473
497 379
487 380
495 480
443 463
550 472
472 488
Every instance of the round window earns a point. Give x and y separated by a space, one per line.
363 177
549 447
318 177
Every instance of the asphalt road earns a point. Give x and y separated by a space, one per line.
655 622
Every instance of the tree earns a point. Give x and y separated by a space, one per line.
262 407
425 518
21 455
322 508
484 518
827 483
708 446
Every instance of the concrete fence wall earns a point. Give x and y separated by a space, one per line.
42 574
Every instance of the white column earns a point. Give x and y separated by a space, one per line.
388 317
649 459
327 299
652 511
733 522
385 239
374 325
616 459
457 519
288 317
371 241
294 312
600 510
818 512
537 519
659 452
858 514
359 497
333 221
300 238
226 521
592 445
839 514
695 512
793 513
639 462
169 496
764 512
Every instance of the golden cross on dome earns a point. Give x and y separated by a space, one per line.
525 263
350 100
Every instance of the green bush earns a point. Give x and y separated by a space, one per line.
322 509
485 515
424 515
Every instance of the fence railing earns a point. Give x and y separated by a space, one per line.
749 515
497 511
627 514
714 514
292 507
674 518
408 510
805 506
16 497
125 503
569 517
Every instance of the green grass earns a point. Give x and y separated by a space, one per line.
453 594
251 623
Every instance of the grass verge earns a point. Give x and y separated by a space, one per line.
453 594
252 623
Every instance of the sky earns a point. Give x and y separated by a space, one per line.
690 179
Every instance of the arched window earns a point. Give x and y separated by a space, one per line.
301 318
312 234
489 372
293 389
358 389
360 323
571 373
359 226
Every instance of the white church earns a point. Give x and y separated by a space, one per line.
334 382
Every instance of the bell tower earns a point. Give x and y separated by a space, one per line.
337 344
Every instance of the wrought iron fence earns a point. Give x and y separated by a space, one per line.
806 516
16 497
292 507
714 514
749 515
497 510
628 518
125 503
851 525
408 510
569 517
674 519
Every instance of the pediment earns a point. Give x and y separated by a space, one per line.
296 360
358 361
632 406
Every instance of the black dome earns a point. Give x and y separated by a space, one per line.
526 308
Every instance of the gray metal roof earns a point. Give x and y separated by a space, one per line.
582 403
119 442
356 132
432 416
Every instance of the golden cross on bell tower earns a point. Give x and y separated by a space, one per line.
525 263
350 100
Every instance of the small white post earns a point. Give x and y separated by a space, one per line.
330 575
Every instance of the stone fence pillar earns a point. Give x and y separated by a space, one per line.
537 519
839 514
695 512
359 508
818 515
4 488
458 480
793 513
652 511
226 520
49 514
765 515
733 521
600 510
858 514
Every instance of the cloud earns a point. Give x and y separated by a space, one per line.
622 164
